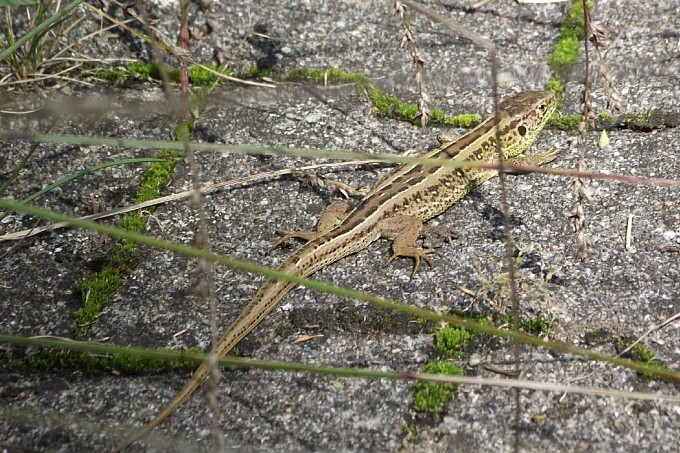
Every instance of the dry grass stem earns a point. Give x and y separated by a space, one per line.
580 185
160 41
598 37
652 329
23 234
545 386
231 78
409 41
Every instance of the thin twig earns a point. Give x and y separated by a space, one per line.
181 196
652 329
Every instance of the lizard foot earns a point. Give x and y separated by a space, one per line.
415 253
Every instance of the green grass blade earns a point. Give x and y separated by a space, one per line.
18 2
17 170
86 171
248 266
40 29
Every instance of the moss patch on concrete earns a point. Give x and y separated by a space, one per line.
385 104
61 360
453 346
568 46
564 57
97 290
198 76
431 398
639 352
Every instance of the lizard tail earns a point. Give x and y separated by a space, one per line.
196 380
263 302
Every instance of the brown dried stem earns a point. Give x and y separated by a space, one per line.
408 41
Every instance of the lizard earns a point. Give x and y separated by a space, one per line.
395 208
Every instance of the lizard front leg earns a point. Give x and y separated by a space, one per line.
404 230
331 217
535 160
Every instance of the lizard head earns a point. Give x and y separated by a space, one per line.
523 117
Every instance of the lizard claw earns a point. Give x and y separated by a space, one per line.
416 254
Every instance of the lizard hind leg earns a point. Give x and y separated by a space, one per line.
404 230
331 217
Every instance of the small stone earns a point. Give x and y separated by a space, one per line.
669 235
313 117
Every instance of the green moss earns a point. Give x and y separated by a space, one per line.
157 176
573 24
566 51
556 86
452 341
385 104
135 70
642 353
627 119
253 72
331 76
438 116
639 353
643 117
538 326
605 117
97 290
432 397
484 320
466 120
393 107
198 76
410 433
639 118
133 221
564 122
181 131
565 54
250 73
59 360
144 70
110 75
456 342
201 77
443 367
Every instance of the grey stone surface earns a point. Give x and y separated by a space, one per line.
615 292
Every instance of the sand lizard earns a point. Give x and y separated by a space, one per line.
395 208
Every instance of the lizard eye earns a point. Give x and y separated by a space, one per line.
522 130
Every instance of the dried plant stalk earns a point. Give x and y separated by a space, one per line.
408 41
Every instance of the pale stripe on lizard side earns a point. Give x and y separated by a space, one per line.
394 208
